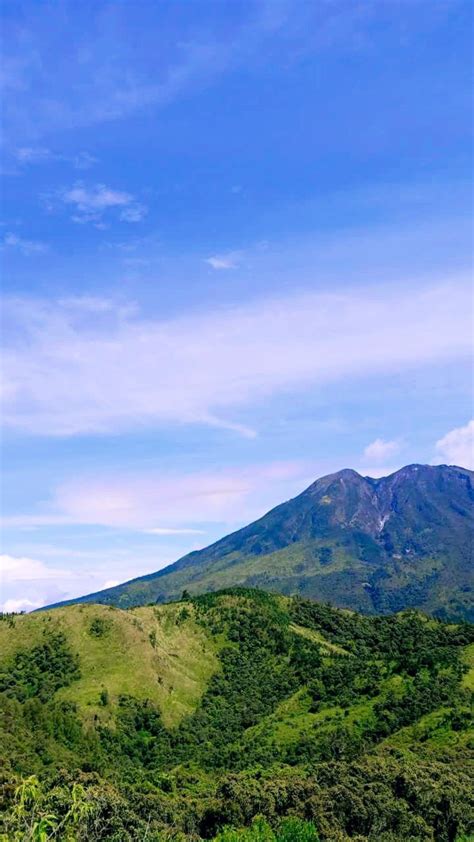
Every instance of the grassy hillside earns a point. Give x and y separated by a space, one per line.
378 546
158 653
174 721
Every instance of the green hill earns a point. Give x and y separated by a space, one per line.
173 721
378 546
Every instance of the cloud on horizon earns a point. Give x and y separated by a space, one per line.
28 583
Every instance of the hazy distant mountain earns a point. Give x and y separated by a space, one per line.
375 545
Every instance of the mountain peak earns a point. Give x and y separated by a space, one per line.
376 545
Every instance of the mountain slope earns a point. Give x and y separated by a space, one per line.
171 721
375 545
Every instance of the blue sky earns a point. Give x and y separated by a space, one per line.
236 255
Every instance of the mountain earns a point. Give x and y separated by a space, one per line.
375 545
169 722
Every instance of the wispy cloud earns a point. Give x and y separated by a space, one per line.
82 161
134 213
457 446
167 530
115 73
26 247
107 84
183 501
131 370
230 260
92 204
31 155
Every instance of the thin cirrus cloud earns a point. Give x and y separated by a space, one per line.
119 73
131 370
167 530
457 446
145 501
31 155
114 83
93 204
24 246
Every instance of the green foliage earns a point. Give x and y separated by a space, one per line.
317 724
99 627
41 670
290 830
104 697
30 821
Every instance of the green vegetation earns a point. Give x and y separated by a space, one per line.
237 715
180 654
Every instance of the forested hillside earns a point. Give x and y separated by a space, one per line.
232 710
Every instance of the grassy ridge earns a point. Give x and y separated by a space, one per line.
156 652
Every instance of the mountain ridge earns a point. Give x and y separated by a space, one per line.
374 544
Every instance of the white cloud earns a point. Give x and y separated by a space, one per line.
457 446
16 605
23 569
110 583
90 204
380 450
230 260
26 247
131 370
27 583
